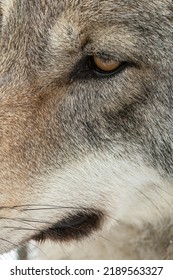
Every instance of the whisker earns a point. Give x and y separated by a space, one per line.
41 206
25 221
14 245
20 228
148 198
164 199
36 248
171 194
112 218
105 239
52 208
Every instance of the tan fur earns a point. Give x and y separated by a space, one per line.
73 142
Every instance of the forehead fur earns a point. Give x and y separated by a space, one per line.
42 15
98 9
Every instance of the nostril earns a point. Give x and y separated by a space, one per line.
73 227
74 221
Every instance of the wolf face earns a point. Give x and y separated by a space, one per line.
85 117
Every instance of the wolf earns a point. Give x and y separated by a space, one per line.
86 113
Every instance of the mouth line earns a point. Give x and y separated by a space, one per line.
73 227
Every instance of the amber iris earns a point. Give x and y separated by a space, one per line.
106 65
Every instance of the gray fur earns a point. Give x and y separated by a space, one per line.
52 115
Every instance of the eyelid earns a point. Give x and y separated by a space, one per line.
106 53
105 56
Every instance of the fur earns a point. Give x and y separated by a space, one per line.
73 143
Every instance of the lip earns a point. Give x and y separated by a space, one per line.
73 227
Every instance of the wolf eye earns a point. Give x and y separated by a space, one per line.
98 67
105 67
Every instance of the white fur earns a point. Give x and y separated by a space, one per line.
125 190
128 192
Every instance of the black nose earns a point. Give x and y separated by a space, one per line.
73 227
